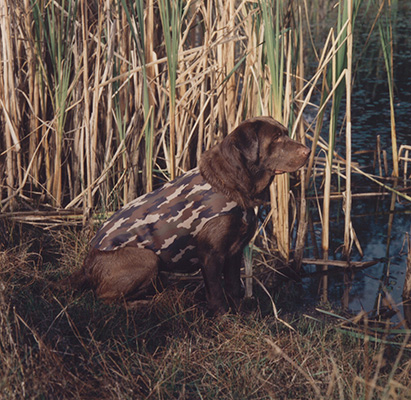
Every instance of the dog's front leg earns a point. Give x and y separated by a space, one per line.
212 271
232 281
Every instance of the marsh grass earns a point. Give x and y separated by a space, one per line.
60 345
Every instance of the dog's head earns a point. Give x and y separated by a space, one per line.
246 161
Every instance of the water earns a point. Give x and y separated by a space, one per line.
371 217
371 223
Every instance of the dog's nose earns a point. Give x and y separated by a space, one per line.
304 151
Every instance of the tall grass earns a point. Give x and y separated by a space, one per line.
101 102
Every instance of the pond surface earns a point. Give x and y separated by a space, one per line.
380 237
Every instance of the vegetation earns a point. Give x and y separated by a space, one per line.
103 101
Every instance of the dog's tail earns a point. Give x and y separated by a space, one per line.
80 280
77 281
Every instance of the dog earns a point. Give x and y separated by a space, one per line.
201 220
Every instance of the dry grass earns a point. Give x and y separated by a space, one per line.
59 345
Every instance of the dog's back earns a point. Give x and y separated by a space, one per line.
167 221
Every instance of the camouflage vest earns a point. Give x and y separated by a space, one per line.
168 220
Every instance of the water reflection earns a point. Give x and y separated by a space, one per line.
381 233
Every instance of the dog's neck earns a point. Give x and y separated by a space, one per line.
248 195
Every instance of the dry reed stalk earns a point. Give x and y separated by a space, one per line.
96 92
9 103
288 85
150 56
205 14
348 83
88 202
220 68
229 53
122 106
325 221
33 94
282 229
303 214
111 33
151 72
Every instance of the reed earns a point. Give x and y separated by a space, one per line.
56 22
386 37
171 19
114 98
278 43
299 126
348 133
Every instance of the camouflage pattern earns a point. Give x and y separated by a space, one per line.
168 220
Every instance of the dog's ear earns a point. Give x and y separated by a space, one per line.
236 167
229 166
245 140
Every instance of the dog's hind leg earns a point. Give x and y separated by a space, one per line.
124 274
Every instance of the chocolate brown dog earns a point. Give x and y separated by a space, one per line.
203 219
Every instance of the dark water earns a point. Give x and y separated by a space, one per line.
380 237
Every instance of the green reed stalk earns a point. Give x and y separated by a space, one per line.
386 37
136 24
171 19
275 47
339 65
58 27
274 42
